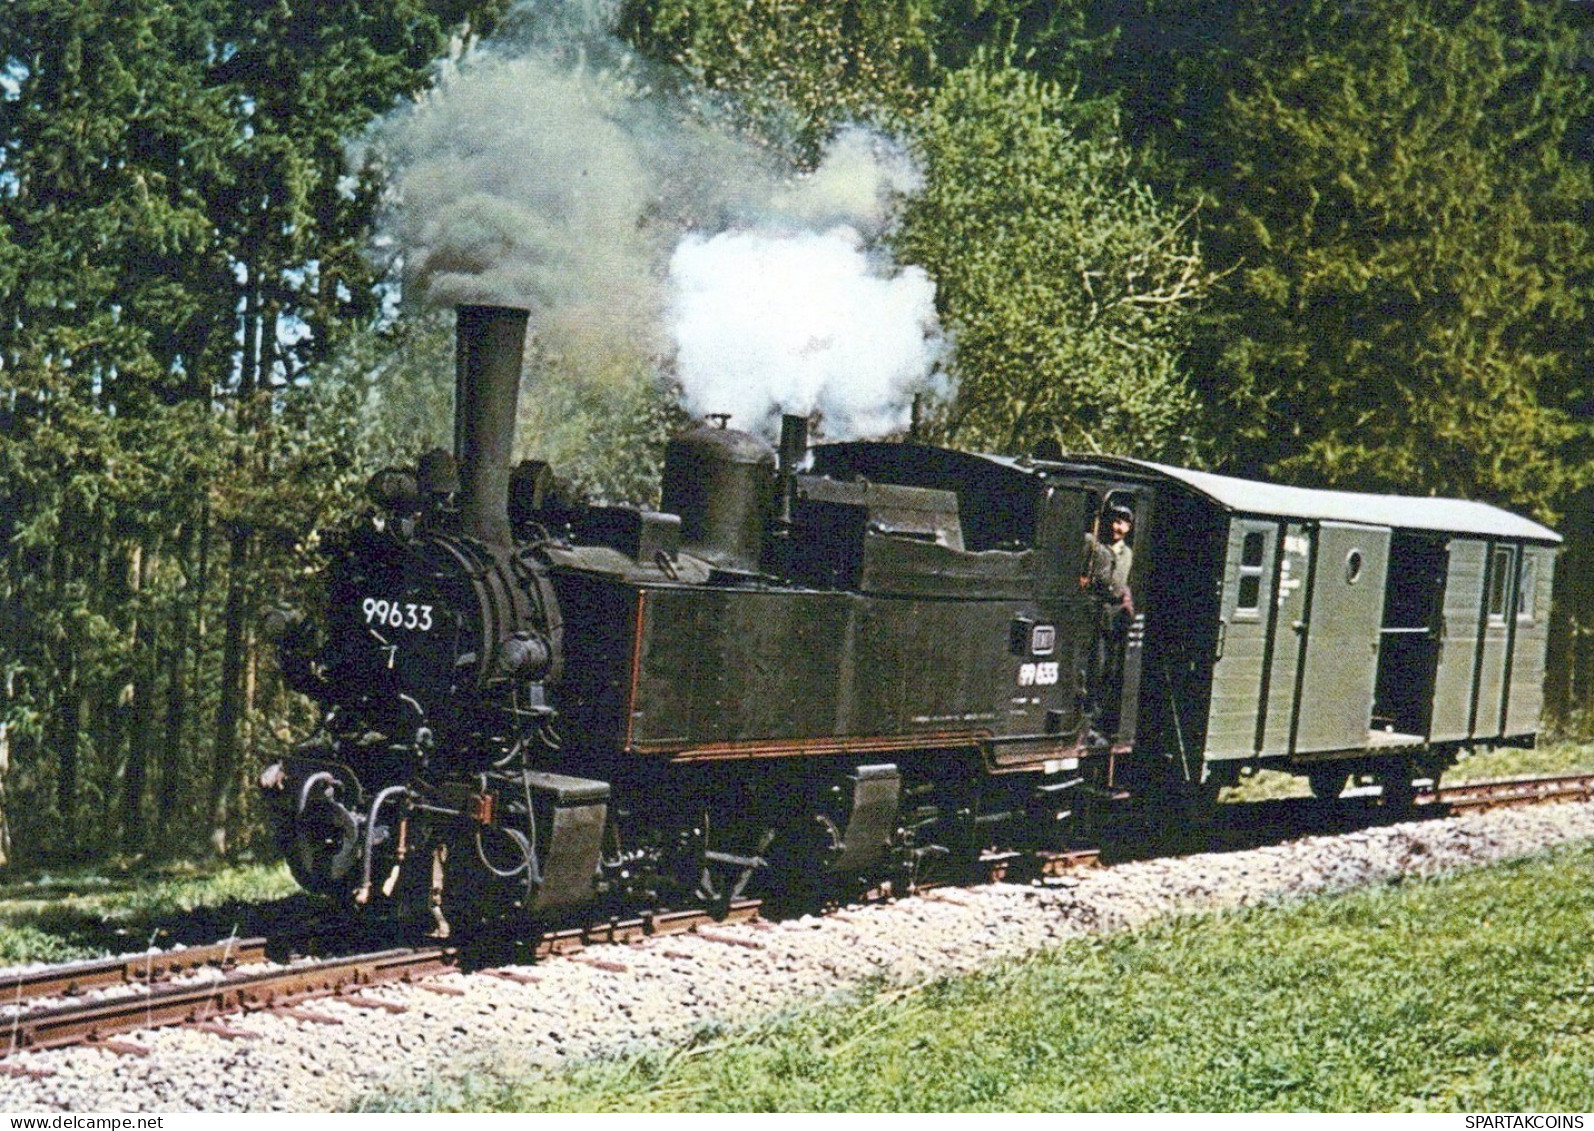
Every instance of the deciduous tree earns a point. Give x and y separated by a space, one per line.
1067 287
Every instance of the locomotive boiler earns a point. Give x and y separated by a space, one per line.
818 667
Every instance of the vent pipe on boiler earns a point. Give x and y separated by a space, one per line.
489 343
793 450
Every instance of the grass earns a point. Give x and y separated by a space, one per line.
1542 761
1469 992
62 916
1479 765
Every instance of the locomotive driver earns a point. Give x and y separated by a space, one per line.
1106 578
1123 555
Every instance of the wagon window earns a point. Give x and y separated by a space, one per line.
1526 589
1252 552
1500 582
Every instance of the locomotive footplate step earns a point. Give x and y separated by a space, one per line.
575 844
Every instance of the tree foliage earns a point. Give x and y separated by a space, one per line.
1068 289
1394 190
179 239
792 70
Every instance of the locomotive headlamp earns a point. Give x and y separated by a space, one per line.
394 491
438 474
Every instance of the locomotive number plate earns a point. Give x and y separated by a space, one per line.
397 614
1038 675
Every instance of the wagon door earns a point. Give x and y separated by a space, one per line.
1340 667
1458 640
1494 660
1241 652
1290 612
1525 700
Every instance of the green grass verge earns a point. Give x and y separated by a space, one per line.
84 914
1480 765
1469 992
1543 761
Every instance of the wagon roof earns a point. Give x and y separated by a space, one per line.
1401 512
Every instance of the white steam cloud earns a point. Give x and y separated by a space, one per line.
552 173
802 323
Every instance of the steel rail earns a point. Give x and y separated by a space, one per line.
82 1022
130 970
1516 791
639 927
206 1004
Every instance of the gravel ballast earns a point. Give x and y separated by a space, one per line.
672 985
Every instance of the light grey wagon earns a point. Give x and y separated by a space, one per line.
1324 633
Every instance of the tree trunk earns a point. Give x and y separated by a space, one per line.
175 647
175 789
146 673
63 725
230 706
233 702
5 769
171 755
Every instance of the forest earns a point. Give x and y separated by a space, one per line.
1344 243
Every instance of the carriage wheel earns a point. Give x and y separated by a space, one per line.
1327 782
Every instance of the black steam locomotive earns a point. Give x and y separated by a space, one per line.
853 663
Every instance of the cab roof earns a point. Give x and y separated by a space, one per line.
914 463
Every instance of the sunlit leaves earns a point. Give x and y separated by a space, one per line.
1067 287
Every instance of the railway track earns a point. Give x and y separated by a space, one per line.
149 969
1253 823
213 1004
1521 791
215 988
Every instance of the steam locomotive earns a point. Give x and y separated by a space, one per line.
821 667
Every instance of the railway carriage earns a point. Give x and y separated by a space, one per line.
837 665
1330 633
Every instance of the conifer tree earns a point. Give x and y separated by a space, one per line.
1400 193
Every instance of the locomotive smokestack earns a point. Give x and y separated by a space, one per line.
490 341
